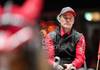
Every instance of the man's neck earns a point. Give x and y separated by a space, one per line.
66 30
63 31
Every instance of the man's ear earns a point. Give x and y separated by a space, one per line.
61 18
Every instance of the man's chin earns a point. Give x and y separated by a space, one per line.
67 27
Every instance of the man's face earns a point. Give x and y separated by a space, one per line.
67 20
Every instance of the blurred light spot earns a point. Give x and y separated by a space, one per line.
96 16
88 16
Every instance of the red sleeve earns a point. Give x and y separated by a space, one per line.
50 49
80 53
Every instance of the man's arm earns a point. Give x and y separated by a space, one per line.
50 53
50 49
80 53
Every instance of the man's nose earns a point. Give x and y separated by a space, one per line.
67 20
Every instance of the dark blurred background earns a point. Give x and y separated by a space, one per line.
87 22
52 5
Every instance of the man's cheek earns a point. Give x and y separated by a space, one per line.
63 21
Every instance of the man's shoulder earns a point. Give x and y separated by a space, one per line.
78 33
52 34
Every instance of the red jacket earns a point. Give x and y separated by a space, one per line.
80 51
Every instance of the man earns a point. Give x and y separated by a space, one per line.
66 43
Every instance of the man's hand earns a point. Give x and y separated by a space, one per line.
69 67
57 67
